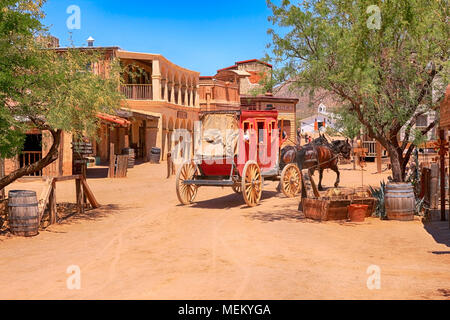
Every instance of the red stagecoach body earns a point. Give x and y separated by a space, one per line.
262 145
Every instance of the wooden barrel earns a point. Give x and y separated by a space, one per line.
154 158
155 155
23 213
400 201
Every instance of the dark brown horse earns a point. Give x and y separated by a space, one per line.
288 154
318 155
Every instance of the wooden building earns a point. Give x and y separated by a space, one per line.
444 127
285 106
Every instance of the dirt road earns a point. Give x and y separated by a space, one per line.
143 245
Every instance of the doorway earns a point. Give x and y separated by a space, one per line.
32 152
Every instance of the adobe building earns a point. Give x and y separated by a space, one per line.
162 98
217 94
238 86
250 73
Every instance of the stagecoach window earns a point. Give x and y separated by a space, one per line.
260 132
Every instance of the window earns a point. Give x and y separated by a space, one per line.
422 121
260 132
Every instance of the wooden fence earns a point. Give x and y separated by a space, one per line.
118 164
29 157
137 91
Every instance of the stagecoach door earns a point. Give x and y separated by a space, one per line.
247 130
260 147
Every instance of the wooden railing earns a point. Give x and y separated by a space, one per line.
28 157
137 91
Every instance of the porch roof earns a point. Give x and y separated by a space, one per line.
114 119
128 113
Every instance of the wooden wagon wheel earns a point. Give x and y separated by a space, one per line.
291 180
237 188
252 183
186 193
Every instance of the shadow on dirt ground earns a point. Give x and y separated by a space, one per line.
68 212
231 200
440 232
284 212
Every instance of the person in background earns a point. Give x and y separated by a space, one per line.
246 136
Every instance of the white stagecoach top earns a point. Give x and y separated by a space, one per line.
218 135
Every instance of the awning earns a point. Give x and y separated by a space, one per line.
114 119
129 113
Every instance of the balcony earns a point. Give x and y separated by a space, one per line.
137 91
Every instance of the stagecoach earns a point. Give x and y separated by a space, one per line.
237 149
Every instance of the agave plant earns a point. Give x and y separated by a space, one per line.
379 195
420 203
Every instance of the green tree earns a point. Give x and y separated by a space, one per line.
51 90
347 123
389 62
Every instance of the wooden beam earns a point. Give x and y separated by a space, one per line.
89 194
52 205
67 178
45 197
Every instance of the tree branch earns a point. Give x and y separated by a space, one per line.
51 156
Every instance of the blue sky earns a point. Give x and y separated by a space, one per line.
201 35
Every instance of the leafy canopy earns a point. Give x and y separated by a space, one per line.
388 71
49 89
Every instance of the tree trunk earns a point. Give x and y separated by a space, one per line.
396 163
37 166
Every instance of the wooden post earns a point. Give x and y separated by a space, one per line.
169 165
442 158
52 205
378 157
112 161
2 174
79 194
126 139
434 182
84 174
89 194
353 154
